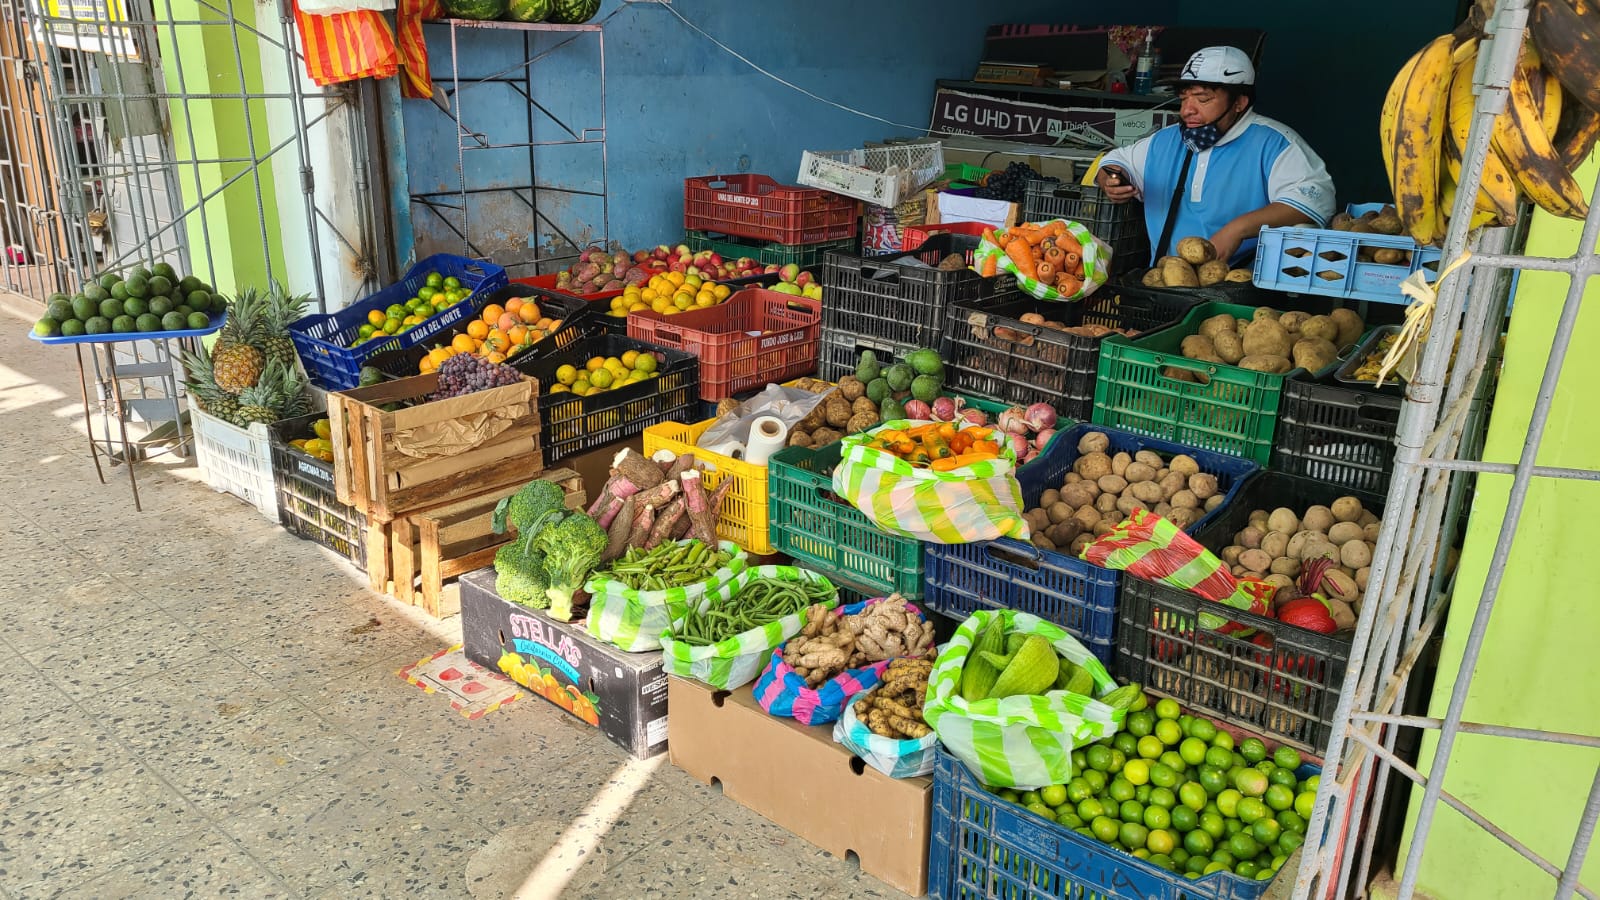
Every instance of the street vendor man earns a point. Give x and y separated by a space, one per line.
1223 170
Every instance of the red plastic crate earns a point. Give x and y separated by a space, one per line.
755 206
755 338
915 236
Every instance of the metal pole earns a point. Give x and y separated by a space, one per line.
1580 846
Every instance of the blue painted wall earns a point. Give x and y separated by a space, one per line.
677 105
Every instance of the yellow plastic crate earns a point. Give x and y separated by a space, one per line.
743 517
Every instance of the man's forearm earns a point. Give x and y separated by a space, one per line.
1273 215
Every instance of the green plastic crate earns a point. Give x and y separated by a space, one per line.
1236 412
831 535
806 256
963 175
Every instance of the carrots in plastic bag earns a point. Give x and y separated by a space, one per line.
1021 254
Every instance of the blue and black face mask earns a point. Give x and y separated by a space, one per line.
1201 138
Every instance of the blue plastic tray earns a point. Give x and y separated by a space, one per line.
1080 596
116 337
1324 261
321 340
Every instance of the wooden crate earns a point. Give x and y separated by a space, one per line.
448 541
375 475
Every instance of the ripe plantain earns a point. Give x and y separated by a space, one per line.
1567 33
1519 139
1420 119
1575 136
1498 194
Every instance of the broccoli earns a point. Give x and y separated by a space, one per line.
532 507
571 548
519 573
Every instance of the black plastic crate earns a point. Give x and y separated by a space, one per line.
840 351
903 297
571 310
308 506
1283 681
574 425
1339 435
991 353
1120 225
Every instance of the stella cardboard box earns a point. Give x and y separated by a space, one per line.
797 776
622 694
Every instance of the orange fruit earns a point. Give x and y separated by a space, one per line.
530 312
462 344
478 329
495 357
493 312
514 304
376 318
506 321
518 334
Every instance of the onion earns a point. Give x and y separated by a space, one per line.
974 416
1019 443
1042 439
944 409
1039 416
1014 421
918 409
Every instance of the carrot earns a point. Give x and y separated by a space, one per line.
1021 254
1066 284
988 235
1045 272
1068 243
991 266
1054 256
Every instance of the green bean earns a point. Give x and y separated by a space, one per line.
759 602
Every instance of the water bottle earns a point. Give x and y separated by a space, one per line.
1144 72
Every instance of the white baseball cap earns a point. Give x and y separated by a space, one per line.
1218 65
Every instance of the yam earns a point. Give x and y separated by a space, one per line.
1138 472
1283 519
1349 324
1229 348
1094 442
1276 365
1239 276
1265 337
1217 323
1342 533
1184 464
1198 346
1314 354
1184 499
1276 544
1318 518
860 422
1196 251
1355 554
1204 485
1112 484
1212 272
838 412
1119 465
1093 465
1256 560
1346 509
1179 273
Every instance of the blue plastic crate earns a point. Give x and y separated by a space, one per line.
1080 596
984 848
323 340
1323 261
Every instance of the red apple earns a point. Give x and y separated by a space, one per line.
662 251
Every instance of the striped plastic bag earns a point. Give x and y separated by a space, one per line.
893 757
736 661
1095 255
980 502
1023 742
346 46
634 620
782 691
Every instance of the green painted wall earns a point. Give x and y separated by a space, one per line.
242 232
1538 668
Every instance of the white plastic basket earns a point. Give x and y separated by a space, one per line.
235 460
886 176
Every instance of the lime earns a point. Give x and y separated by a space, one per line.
1127 743
60 310
1079 760
1090 809
97 325
1204 729
135 306
218 301
1186 722
160 305
1120 790
1250 782
1193 795
1193 750
1157 859
1213 779
1185 819
1291 821
1078 791
1053 794
1279 798
164 270
1133 835
137 285
1215 867
124 324
1140 701
1159 840
189 284
1160 796
395 311
1283 777
1246 869
58 297
645 363
140 271
1198 842
1042 811
433 280
1168 731
1244 846
1232 826
1267 831
72 328
1172 760
1162 775
1099 756
1067 817
96 293
119 291
160 286
1253 750
199 320
183 309
1156 817
110 308
423 296
1252 811
148 322
1287 757
1150 747
1266 874
1104 829
1312 784
1179 855
1140 723
1223 855
173 322
1097 780
1137 771
1142 793
1218 758
200 300
452 283
1167 708
1223 740
1228 802
1290 841
1196 865
1304 802
47 327
1006 794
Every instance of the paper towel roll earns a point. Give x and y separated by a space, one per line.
767 436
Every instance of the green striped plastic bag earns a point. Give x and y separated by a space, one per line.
1022 742
1096 264
634 620
736 661
980 502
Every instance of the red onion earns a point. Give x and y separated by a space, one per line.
1014 421
974 416
944 409
1040 416
1019 443
918 409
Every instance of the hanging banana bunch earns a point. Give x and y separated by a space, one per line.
1549 126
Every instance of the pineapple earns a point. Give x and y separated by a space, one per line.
264 401
281 309
237 358
203 384
297 401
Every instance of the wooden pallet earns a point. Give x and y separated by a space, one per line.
427 548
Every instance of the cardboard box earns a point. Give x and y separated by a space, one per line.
622 694
799 778
944 206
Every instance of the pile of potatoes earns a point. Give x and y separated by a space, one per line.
1104 488
1196 265
1275 545
1271 341
1385 221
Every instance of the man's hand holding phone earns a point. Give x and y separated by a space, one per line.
1114 182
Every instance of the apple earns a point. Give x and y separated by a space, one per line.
804 278
640 256
716 259
662 252
683 250
678 265
789 273
745 263
769 270
785 287
812 290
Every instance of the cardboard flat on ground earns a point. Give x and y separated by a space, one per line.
472 690
622 694
799 778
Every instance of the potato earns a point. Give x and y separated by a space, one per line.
1284 565
1094 442
1163 509
1340 586
1291 321
1276 365
1184 464
1214 501
1204 485
1229 348
1320 327
1318 518
838 411
1212 272
1079 543
1049 496
1196 250
1106 502
1092 465
1386 222
1341 221
1367 518
1151 459
1342 533
1198 346
1279 582
1362 574
1276 543
1042 542
1346 509
1107 523
1250 538
1230 554
1062 533
1239 276
1059 512
1217 323
1179 273
1087 516
1349 324
1112 484
1258 518
1153 278
1183 517
822 437
1314 354
1148 492
1171 484
853 389
1265 337
1369 533
1255 560
1319 548
1080 494
1355 554
1070 478
1137 472
1120 464
1127 504
1185 499
1283 519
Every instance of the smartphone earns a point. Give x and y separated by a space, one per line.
1115 175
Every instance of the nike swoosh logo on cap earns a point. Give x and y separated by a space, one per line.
1227 72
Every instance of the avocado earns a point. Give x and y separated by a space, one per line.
868 368
926 388
370 376
891 409
899 376
926 362
877 390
